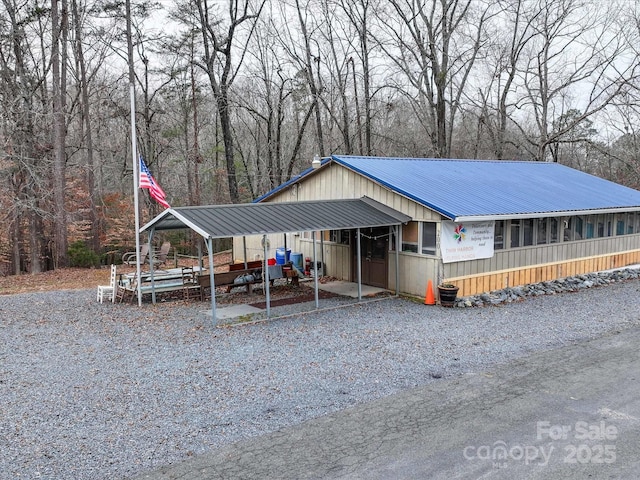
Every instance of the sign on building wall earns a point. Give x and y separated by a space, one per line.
461 241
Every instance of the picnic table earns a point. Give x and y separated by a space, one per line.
162 281
194 281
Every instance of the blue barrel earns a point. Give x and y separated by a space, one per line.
282 257
297 259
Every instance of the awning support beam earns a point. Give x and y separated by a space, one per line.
265 274
358 265
209 241
316 270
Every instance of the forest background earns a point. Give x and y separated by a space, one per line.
234 97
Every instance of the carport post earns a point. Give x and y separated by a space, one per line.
244 250
359 267
212 281
322 249
315 268
265 276
150 257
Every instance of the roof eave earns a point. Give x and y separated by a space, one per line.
564 213
176 214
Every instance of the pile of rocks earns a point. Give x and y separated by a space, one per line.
562 285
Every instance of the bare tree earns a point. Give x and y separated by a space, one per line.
220 44
310 71
498 97
85 125
359 12
435 47
60 24
576 48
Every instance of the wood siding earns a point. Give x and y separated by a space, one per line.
512 277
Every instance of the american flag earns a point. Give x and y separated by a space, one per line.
147 181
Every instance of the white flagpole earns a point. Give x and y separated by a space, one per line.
136 180
134 147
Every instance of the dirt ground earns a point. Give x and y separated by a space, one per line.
82 278
76 278
63 279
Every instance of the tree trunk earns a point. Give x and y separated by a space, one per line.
58 62
227 139
85 127
313 87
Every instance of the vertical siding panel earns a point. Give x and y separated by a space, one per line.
485 287
494 281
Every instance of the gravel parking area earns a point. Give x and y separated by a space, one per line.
91 391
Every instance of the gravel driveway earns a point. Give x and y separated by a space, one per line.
90 391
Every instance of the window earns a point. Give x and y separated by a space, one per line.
553 230
603 227
590 227
428 238
410 237
498 235
573 229
541 234
515 233
527 230
339 236
578 230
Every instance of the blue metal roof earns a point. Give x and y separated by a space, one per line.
487 189
484 189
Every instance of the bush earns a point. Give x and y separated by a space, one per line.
80 255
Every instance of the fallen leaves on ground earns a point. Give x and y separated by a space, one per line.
61 279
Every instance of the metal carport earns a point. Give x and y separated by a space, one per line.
224 221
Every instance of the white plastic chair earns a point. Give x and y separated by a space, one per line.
108 291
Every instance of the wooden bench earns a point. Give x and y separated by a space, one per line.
228 279
130 293
253 265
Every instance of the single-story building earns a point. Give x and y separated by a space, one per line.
481 225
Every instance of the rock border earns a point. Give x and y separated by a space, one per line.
551 287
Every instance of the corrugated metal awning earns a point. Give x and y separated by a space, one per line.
223 221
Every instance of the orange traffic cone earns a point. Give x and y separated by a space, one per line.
429 298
